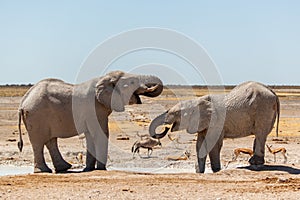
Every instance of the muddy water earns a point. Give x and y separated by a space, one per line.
15 170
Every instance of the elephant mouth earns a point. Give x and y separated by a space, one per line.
135 99
138 99
175 126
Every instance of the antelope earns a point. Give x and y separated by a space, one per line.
237 152
241 150
147 143
185 156
79 158
277 150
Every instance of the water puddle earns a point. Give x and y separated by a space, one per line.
156 170
6 170
15 170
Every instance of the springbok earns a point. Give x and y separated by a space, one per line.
277 150
147 143
238 151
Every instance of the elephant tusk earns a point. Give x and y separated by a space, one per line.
152 89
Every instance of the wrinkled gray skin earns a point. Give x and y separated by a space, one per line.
249 109
54 109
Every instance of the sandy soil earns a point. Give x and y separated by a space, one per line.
151 176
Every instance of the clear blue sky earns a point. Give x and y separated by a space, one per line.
253 40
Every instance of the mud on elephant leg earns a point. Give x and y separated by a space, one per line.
59 163
100 166
214 156
39 160
101 151
259 151
90 162
200 168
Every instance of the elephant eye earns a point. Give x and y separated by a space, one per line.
132 82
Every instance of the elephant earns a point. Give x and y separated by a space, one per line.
54 109
250 108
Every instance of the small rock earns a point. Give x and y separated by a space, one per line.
123 138
283 180
11 140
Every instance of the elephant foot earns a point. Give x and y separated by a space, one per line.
100 166
62 167
43 169
198 169
215 167
257 160
88 169
256 167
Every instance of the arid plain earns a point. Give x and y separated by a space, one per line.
143 177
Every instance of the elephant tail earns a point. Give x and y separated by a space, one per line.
278 115
20 143
132 148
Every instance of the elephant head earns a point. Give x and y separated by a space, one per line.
192 115
117 89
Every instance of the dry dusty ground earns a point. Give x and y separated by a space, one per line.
237 181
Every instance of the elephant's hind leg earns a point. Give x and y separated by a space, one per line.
59 163
259 151
39 160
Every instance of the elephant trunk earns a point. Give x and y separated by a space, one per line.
158 121
150 86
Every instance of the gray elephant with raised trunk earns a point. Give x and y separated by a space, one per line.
250 108
54 109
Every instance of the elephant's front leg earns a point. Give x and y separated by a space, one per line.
97 150
90 158
259 150
214 156
101 146
200 156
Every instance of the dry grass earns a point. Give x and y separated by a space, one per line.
181 91
13 91
288 127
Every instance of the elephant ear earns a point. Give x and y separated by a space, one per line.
107 94
200 117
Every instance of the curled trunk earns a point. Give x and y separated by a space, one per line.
158 121
151 86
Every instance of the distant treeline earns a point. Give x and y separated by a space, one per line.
185 86
17 85
229 87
